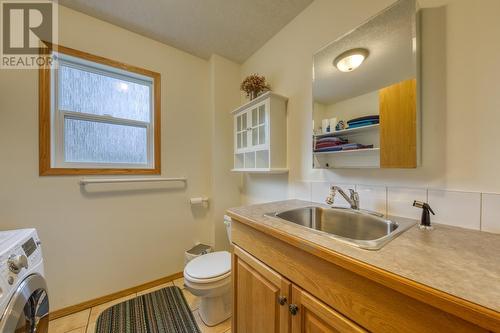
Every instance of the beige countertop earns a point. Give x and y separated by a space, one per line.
461 262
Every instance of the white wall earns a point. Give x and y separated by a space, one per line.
110 237
459 99
225 97
367 104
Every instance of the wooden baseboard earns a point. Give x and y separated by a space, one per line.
111 297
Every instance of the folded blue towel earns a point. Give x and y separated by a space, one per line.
373 121
372 117
362 124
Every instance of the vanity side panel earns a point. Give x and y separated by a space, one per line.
371 305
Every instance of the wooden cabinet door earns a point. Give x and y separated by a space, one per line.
398 125
309 315
261 295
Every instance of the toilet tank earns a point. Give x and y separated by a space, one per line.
227 222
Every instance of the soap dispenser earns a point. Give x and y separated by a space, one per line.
425 222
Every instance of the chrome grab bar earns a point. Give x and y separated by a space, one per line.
86 181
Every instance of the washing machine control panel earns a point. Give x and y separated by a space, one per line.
17 259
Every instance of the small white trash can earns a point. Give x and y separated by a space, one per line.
196 251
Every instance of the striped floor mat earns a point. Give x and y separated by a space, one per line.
162 311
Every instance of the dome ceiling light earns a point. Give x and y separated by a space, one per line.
351 59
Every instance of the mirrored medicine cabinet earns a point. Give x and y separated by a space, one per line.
366 111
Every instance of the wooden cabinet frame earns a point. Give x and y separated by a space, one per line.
45 135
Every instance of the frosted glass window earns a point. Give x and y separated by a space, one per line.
96 142
87 92
103 116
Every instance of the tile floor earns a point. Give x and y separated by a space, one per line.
84 321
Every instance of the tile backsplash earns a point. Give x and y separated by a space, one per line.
373 198
320 190
461 209
400 201
471 210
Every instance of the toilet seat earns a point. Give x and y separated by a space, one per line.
206 281
209 268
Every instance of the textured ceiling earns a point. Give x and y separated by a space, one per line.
234 29
390 39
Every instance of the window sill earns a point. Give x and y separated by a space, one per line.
72 172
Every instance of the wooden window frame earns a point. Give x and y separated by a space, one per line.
45 118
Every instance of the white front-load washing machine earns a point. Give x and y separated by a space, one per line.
24 301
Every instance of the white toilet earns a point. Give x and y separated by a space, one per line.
209 277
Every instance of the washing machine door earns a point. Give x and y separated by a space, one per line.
28 309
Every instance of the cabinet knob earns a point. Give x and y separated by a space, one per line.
282 300
293 309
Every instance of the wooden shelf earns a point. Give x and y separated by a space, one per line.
348 131
261 170
356 158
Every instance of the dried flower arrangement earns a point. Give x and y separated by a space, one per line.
254 85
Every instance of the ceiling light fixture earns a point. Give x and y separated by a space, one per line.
350 60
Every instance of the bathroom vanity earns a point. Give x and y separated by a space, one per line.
289 278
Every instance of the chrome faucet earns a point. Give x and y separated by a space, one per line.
352 198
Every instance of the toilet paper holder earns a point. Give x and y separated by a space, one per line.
199 201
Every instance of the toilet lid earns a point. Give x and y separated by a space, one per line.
209 266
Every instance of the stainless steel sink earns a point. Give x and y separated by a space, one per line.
363 229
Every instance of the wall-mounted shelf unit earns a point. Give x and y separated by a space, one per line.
395 139
260 135
356 158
